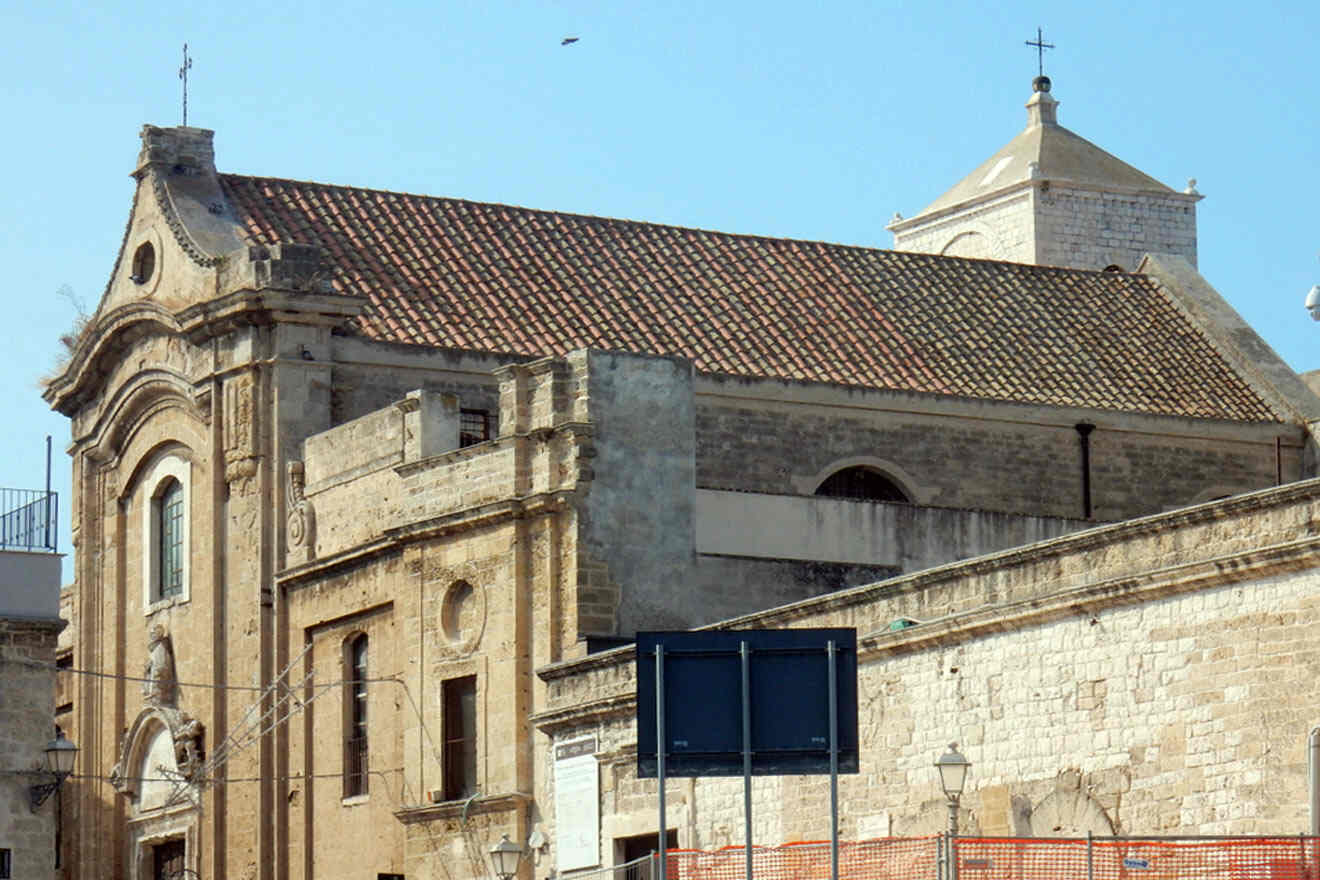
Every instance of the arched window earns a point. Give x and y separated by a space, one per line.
169 538
863 484
355 717
165 532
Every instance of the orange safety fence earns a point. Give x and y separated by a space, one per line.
982 858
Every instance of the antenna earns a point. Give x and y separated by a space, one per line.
183 75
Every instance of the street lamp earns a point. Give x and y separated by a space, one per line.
60 755
953 775
504 857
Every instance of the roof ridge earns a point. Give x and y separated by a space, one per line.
650 224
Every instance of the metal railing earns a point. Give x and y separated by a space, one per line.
643 868
29 520
355 766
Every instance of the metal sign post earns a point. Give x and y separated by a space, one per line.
663 837
744 654
834 762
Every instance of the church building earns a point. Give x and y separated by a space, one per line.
372 492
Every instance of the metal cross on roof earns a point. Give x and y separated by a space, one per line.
183 75
1041 46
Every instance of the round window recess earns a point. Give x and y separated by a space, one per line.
463 616
144 263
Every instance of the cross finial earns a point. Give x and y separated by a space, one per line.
1041 46
183 75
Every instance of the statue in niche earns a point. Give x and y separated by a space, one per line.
159 687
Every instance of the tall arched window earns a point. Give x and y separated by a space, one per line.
863 484
165 531
355 717
169 525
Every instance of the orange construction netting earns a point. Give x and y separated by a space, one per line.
979 858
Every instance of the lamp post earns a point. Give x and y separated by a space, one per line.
60 755
504 858
953 775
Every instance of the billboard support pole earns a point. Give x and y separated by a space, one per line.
745 656
663 836
830 649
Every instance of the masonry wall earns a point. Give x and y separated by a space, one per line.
27 679
1144 678
1088 229
1031 466
1000 228
638 521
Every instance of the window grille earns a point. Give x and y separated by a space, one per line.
473 427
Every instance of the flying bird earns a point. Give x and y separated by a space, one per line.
566 40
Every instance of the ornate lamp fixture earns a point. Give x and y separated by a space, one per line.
60 755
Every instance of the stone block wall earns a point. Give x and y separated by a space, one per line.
1031 466
1143 678
27 680
1089 229
1001 228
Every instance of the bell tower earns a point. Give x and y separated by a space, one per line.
1053 198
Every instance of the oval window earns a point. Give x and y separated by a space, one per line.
144 263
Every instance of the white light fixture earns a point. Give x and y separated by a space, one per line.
504 857
953 769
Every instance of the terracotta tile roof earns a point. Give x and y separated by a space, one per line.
447 272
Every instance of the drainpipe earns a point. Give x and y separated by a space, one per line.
1084 435
1313 778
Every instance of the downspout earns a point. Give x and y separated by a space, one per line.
1313 778
1084 435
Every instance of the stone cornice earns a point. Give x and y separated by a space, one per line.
554 720
909 224
395 538
1093 598
499 803
246 307
104 339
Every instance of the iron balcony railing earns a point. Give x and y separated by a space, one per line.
29 520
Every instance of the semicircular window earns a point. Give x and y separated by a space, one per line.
862 484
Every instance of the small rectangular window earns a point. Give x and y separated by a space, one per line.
473 427
460 734
6 866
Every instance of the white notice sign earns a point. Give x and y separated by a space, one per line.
577 805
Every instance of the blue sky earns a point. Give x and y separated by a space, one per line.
814 121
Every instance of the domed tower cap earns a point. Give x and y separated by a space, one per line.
1040 84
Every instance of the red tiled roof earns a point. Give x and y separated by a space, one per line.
447 272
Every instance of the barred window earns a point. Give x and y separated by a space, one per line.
355 718
473 426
